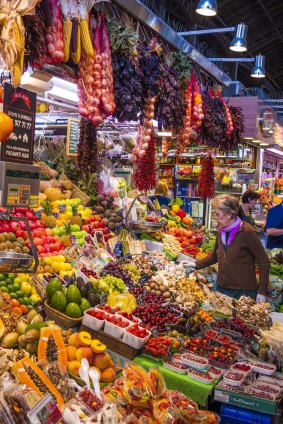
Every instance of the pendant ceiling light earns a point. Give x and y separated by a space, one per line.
239 42
258 70
207 7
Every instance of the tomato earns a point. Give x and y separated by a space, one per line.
5 295
15 302
17 311
24 309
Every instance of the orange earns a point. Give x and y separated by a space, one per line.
5 295
15 302
17 311
24 309
6 126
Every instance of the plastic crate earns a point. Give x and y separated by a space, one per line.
232 414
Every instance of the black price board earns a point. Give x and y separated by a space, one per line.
73 137
20 105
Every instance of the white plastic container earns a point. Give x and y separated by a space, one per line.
215 372
265 387
232 382
92 322
207 379
134 341
176 369
234 367
139 321
263 368
114 330
195 361
261 394
270 380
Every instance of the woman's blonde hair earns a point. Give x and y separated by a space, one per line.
227 204
161 188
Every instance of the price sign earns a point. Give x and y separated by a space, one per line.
20 105
62 208
73 137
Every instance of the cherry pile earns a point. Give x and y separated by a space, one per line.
143 296
88 272
155 315
235 324
242 367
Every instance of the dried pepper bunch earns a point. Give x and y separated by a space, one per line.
87 147
35 30
212 132
144 176
150 66
206 179
127 87
171 106
238 126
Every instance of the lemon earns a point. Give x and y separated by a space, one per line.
61 258
35 298
33 291
26 287
23 277
48 260
56 266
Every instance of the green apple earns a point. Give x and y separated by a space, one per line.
75 228
55 231
81 242
62 231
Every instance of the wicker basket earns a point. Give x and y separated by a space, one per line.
40 287
76 192
116 345
61 319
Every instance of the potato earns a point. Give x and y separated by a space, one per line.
152 285
163 289
166 294
158 292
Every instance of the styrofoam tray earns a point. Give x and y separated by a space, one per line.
192 361
175 369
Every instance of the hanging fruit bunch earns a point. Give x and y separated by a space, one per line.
95 85
206 179
216 93
164 146
127 74
35 45
12 35
144 176
197 104
87 147
145 130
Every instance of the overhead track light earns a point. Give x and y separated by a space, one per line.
239 42
207 8
258 70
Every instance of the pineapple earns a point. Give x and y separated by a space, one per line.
76 219
67 241
48 218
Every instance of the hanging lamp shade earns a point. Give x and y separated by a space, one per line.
258 70
207 7
239 42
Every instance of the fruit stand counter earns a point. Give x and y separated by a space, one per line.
195 390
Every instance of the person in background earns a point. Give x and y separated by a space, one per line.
249 200
161 193
274 227
237 250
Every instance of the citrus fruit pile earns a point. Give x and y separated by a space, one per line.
20 292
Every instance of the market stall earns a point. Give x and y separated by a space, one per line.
103 318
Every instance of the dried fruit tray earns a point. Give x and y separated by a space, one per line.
112 343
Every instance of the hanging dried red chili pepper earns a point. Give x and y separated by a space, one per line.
206 179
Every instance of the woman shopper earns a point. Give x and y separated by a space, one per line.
237 250
249 200
161 193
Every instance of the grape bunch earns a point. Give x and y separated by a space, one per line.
133 270
116 270
114 284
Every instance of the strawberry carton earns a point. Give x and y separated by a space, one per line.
175 366
115 326
136 336
194 361
94 318
234 378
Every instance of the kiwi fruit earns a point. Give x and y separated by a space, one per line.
9 244
12 237
2 238
6 236
25 249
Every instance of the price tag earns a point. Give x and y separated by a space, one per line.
143 279
3 215
62 208
56 215
154 331
38 214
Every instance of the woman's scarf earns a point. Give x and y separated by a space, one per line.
232 229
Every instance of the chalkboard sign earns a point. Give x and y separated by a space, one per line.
73 136
20 105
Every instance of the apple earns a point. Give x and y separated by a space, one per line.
6 228
85 228
22 224
50 239
56 231
75 228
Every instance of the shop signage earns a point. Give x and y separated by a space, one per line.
73 137
20 105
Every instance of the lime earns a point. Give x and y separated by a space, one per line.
20 299
17 280
11 276
13 295
4 289
2 277
23 302
10 288
2 283
27 301
16 286
9 281
19 293
30 307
